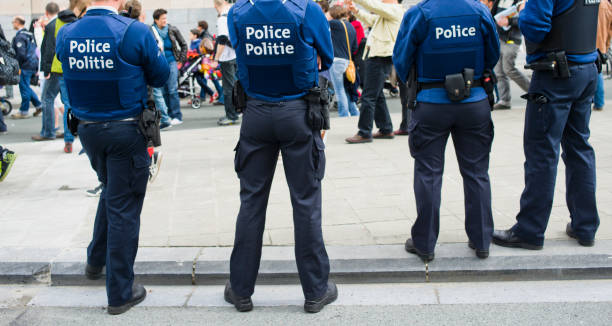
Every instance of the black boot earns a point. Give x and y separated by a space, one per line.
582 242
138 295
507 238
317 305
93 272
241 304
480 253
426 257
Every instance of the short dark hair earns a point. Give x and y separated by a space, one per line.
19 20
324 4
52 8
203 24
158 13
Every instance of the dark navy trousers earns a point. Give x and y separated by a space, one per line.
562 122
472 130
268 128
118 153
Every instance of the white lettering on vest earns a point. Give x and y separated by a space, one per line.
455 31
268 40
88 54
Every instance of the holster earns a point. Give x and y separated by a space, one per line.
73 123
239 97
556 62
488 83
149 125
317 100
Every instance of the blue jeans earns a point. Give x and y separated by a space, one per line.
68 137
160 104
27 94
599 93
219 90
50 90
204 89
2 124
345 106
170 91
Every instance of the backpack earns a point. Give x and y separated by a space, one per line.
9 66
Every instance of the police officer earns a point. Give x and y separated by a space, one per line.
452 43
561 49
278 44
108 60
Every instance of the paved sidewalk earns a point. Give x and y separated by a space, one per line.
367 198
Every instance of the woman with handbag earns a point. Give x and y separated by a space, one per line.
344 40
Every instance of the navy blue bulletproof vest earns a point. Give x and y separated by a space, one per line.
454 40
101 85
273 59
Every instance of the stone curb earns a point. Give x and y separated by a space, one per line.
455 262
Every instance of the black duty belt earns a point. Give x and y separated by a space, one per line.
84 122
424 86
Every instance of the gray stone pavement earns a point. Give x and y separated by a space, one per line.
367 197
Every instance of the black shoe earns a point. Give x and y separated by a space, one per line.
480 253
93 272
426 257
241 304
317 305
571 234
507 238
138 295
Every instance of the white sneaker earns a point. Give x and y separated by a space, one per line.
176 122
156 160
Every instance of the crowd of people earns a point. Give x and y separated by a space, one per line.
445 75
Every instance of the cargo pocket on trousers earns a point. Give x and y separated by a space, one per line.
237 162
538 113
140 173
414 140
318 154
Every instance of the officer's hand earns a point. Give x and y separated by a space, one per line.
47 76
319 61
502 22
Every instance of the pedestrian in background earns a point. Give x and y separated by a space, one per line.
345 41
175 50
384 19
226 56
510 40
604 33
24 45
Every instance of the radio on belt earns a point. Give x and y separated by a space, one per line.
89 54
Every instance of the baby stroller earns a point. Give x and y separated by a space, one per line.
187 78
5 106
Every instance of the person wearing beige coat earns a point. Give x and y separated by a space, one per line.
384 18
